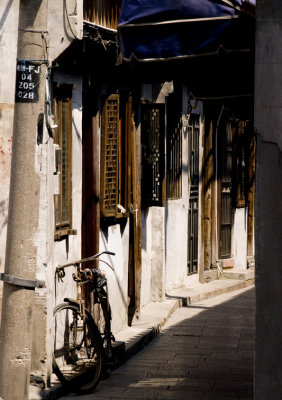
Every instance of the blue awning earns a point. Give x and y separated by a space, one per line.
151 30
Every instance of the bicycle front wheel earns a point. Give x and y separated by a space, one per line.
77 353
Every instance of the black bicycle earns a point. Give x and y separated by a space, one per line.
82 354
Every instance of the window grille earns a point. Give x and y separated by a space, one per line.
152 154
174 148
193 131
194 134
110 157
240 165
117 128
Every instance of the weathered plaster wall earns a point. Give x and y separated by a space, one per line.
9 15
116 239
268 207
6 130
153 225
153 255
59 37
157 254
239 238
146 257
50 254
66 250
65 23
176 242
176 221
177 213
164 230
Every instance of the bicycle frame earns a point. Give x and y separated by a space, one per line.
100 293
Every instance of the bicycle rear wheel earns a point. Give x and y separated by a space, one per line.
77 353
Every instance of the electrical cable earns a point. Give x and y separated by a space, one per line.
67 15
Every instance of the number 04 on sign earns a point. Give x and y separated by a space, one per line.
27 82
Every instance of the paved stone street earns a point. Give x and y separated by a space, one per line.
205 351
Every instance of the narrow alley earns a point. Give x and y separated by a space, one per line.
205 351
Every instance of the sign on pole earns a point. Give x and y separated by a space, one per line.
27 81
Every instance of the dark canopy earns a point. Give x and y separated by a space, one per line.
164 29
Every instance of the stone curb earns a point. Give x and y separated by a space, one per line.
153 331
217 292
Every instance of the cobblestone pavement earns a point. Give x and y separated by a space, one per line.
205 351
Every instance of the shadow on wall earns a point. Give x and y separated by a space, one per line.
4 15
3 222
119 285
3 214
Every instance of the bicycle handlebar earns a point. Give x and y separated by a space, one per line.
83 260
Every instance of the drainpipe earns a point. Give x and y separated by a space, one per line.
21 248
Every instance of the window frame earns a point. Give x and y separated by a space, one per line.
174 147
153 158
62 106
240 164
119 136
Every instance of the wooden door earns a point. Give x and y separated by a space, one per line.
193 143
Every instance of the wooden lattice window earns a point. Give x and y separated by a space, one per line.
63 161
153 155
239 187
115 151
110 156
174 148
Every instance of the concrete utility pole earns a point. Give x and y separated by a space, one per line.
268 209
18 299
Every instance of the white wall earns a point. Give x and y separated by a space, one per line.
239 238
67 250
116 239
153 231
157 253
52 253
64 25
49 254
176 241
164 230
177 214
9 14
153 255
145 297
177 219
59 37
